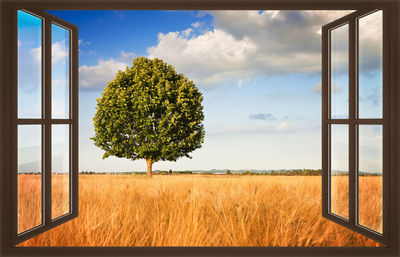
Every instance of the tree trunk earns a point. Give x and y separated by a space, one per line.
149 167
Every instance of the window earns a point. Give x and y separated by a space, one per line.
346 132
45 115
355 125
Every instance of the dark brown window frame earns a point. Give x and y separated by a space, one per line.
6 249
353 122
46 122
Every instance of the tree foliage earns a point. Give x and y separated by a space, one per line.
149 112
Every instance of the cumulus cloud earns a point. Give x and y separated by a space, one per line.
29 77
127 56
82 42
97 76
262 116
282 127
37 53
59 52
59 109
196 24
244 44
61 82
208 58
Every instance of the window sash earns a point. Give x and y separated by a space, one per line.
47 121
353 121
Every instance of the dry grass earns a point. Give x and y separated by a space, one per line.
30 195
29 201
371 204
195 210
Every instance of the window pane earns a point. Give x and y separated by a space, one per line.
60 171
60 72
340 170
29 177
370 66
370 177
340 72
29 66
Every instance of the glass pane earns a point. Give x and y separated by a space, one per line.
370 66
340 72
29 66
370 177
29 177
60 171
340 170
60 72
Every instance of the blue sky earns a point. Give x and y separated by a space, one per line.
259 73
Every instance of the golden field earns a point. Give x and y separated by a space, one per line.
201 210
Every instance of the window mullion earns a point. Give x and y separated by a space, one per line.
352 118
325 121
74 55
47 121
42 121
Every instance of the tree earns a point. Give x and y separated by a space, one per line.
149 112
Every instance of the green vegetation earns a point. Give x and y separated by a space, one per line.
182 172
296 172
88 172
149 112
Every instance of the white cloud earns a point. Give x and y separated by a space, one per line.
196 24
199 27
37 53
82 42
59 109
244 44
283 127
208 58
59 51
186 33
97 76
59 82
127 56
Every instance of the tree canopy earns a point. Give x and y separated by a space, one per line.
150 112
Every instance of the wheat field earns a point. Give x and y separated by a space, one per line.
198 210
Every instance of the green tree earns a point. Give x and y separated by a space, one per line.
149 112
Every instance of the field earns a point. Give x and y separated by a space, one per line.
199 210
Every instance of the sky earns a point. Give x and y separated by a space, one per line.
259 72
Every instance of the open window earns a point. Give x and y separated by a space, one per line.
45 129
355 124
